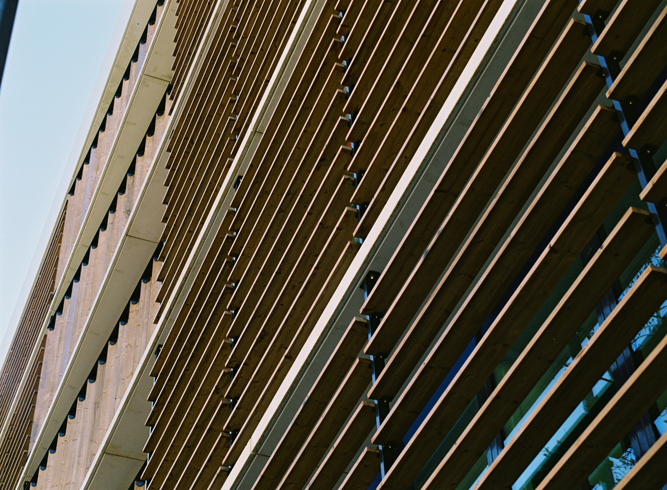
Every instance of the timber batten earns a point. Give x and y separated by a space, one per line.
359 244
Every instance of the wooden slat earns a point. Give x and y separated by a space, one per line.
15 444
412 53
262 362
172 427
561 251
218 80
210 468
624 26
280 249
184 21
275 182
360 47
183 139
589 7
416 107
508 144
224 149
339 240
197 473
235 20
268 225
269 55
507 92
618 250
224 44
491 227
462 271
178 425
258 370
204 438
323 225
341 6
323 250
364 471
344 447
622 412
645 64
356 24
239 373
324 388
269 144
188 36
559 189
279 140
273 53
614 335
239 378
198 442
649 472
219 479
656 190
195 301
405 23
249 342
199 304
183 341
295 346
329 424
651 128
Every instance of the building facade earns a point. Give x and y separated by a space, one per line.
358 244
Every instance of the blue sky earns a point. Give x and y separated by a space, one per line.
57 52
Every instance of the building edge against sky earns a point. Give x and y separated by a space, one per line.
357 244
60 173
